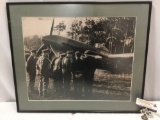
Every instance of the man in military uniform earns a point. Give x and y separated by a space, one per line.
31 70
66 70
77 70
90 67
56 69
43 66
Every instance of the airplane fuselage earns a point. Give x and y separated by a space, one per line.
111 62
63 44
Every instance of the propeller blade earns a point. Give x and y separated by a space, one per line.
52 27
40 50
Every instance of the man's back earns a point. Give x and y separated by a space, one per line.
31 65
66 64
43 66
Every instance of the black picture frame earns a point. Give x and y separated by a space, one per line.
139 11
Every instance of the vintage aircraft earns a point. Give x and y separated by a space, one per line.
115 63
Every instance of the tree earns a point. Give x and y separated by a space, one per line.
32 42
98 30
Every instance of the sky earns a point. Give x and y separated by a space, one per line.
41 25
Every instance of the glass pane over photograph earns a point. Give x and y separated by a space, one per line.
79 58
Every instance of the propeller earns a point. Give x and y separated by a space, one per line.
51 31
39 51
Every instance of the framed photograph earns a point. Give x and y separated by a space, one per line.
79 56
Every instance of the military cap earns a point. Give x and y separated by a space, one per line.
62 54
69 52
46 51
77 53
33 51
86 52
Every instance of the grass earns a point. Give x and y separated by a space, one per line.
106 86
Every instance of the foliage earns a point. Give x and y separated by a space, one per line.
32 42
100 30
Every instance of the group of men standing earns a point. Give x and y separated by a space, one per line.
76 66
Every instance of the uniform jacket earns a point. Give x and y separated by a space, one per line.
43 66
31 65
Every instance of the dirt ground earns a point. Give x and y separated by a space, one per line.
106 86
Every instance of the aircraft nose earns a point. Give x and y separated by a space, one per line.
46 38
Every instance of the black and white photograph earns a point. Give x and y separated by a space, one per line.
79 58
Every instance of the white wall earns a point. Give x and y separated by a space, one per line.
152 84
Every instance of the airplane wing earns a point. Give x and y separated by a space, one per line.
119 63
115 63
125 55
